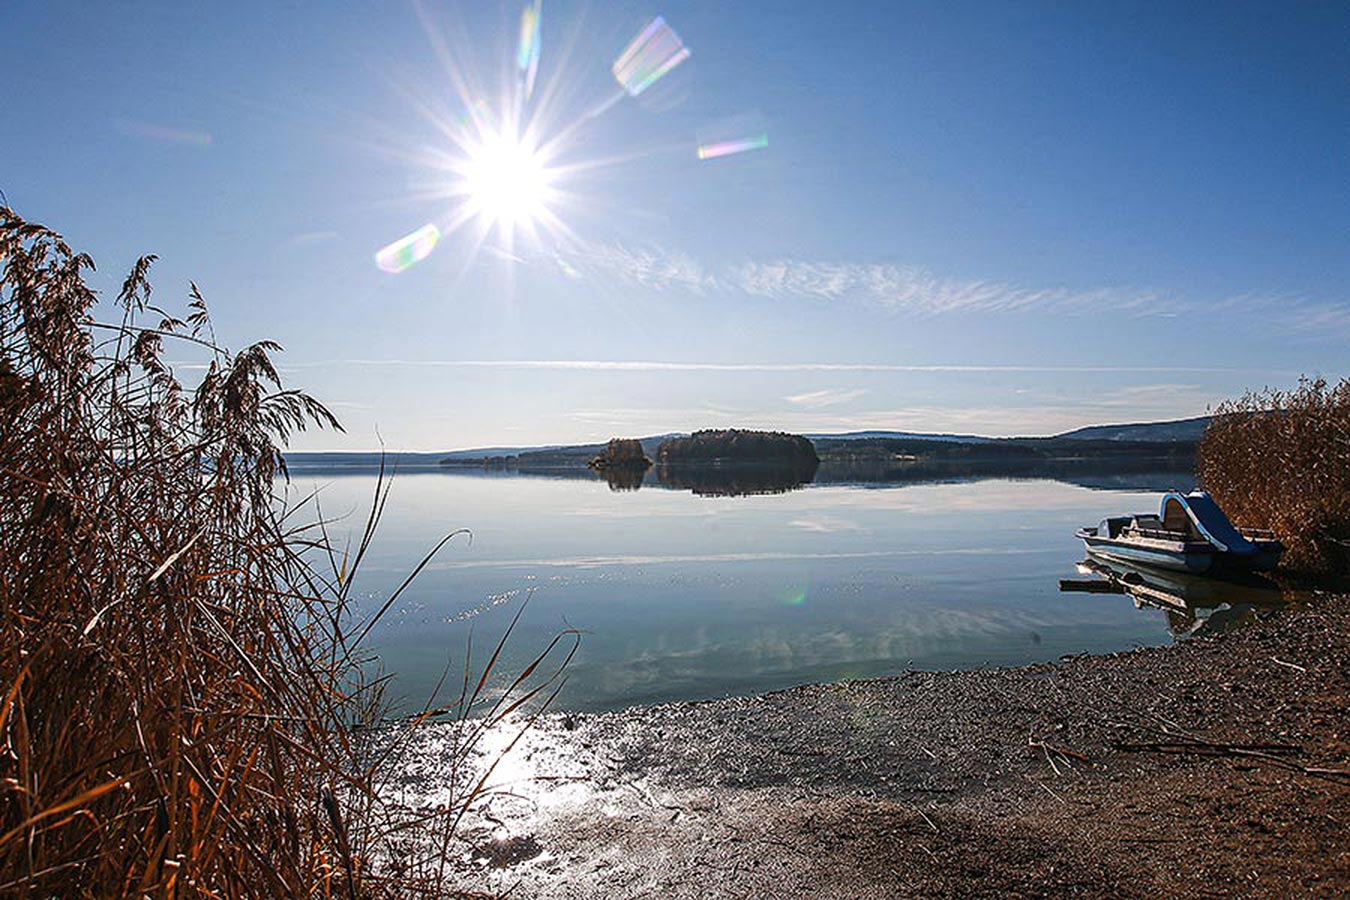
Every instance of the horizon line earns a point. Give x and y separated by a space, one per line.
823 434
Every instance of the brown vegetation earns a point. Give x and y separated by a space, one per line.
1281 460
183 691
621 453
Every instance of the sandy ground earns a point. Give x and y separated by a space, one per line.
1219 767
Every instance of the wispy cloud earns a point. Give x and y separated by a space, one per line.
824 398
1318 318
916 291
649 267
895 288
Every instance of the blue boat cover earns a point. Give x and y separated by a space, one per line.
1210 521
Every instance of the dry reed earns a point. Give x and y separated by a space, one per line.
1281 460
186 707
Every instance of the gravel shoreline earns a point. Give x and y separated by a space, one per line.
1215 767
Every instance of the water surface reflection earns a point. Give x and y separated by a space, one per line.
684 595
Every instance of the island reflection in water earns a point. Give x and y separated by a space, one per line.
714 481
683 596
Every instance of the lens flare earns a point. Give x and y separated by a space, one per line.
727 148
409 250
567 268
527 56
470 117
653 53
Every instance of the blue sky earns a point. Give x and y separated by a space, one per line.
999 218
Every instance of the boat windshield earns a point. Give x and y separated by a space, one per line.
1175 518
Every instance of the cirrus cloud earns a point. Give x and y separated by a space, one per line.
825 398
916 291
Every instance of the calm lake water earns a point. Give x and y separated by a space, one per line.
680 596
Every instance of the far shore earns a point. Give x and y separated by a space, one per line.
1217 766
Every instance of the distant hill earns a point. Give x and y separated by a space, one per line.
1183 430
1186 430
486 452
336 462
475 454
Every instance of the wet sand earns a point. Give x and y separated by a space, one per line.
1217 767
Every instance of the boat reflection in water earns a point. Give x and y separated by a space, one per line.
1196 605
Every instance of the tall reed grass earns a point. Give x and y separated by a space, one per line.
186 705
1281 460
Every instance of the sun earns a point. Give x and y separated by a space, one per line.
506 182
505 158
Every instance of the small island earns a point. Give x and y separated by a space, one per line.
734 461
738 446
621 453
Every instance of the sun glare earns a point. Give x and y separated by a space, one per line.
501 164
506 182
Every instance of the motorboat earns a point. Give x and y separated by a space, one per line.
1190 533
